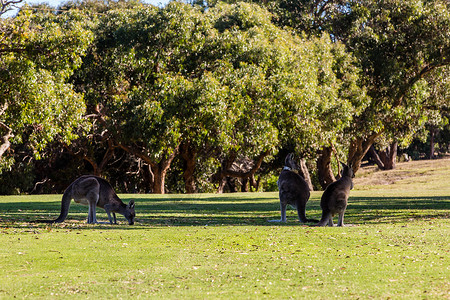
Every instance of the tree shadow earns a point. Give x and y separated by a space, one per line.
228 210
398 209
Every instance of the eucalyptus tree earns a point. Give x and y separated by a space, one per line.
38 53
246 50
438 109
181 80
315 95
398 45
319 88
292 89
140 79
155 80
7 5
436 104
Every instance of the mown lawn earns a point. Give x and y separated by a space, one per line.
221 246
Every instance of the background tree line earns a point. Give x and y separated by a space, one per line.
211 96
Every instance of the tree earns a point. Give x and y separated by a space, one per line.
135 77
168 66
435 128
38 53
6 5
298 91
179 80
321 97
438 108
396 43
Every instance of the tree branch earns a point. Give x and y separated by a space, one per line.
5 143
7 4
249 173
425 70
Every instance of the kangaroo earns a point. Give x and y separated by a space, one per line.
293 190
95 191
334 198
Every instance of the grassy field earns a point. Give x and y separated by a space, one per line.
222 246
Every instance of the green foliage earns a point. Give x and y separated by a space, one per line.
398 43
38 54
18 179
229 80
271 184
226 79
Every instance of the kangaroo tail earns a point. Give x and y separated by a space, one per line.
65 204
312 220
303 219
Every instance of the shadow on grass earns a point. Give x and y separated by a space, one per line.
398 209
230 210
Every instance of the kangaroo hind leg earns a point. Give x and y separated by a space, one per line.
326 219
92 197
283 213
87 191
301 211
330 221
341 219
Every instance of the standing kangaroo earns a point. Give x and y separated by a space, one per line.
293 190
334 198
95 191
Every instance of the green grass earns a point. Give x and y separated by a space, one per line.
221 246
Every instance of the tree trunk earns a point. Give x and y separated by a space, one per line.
389 156
358 148
305 173
386 159
255 183
148 177
376 158
432 133
222 177
159 178
5 143
159 170
324 171
221 186
226 170
244 185
189 156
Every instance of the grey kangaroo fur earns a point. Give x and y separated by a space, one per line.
334 198
95 191
293 190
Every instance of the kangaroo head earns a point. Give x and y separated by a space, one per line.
130 214
290 162
347 171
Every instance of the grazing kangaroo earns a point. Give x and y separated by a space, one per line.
334 198
293 190
95 191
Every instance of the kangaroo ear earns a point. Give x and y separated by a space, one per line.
288 158
131 203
